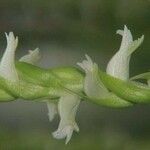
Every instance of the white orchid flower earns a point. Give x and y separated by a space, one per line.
118 66
67 107
93 87
7 64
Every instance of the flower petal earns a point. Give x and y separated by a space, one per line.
135 44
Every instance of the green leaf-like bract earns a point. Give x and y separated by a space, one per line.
136 93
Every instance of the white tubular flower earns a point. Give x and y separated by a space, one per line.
93 87
118 66
67 107
32 57
7 64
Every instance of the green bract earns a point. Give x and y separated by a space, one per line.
130 91
63 88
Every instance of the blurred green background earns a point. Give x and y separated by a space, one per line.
65 30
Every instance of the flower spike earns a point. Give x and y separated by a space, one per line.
63 88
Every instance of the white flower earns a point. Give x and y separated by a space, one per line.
32 57
67 107
93 87
7 64
118 66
